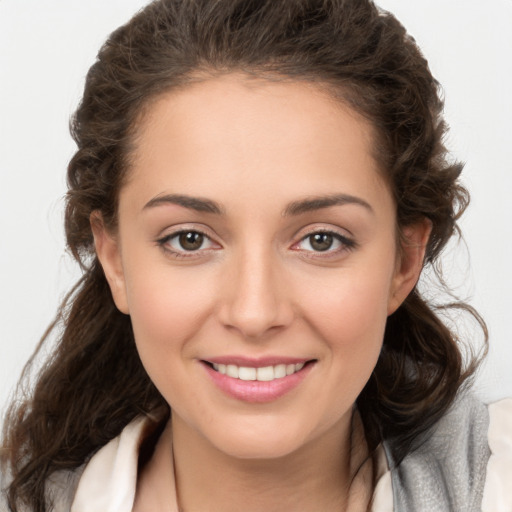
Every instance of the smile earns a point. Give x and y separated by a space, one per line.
257 381
262 374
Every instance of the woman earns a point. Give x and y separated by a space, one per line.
256 190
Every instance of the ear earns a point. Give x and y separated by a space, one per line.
413 242
109 255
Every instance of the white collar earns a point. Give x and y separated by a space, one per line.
109 481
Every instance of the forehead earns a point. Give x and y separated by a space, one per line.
235 133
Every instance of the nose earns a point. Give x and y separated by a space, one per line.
256 300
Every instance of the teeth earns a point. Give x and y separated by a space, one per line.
263 374
279 371
266 373
232 371
245 373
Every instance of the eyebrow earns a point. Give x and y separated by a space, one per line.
193 203
320 202
204 205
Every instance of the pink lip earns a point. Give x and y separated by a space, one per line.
254 391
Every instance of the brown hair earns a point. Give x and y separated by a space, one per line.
93 384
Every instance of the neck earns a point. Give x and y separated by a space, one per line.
318 476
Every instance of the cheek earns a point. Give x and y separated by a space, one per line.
354 300
348 315
167 309
167 306
349 311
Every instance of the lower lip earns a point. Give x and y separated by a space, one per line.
255 391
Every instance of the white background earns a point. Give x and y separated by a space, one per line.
46 47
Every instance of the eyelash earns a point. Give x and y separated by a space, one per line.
163 243
346 243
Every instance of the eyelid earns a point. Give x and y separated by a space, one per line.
170 233
347 241
323 228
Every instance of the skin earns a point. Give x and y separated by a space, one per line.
257 287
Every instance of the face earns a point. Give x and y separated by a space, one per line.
256 255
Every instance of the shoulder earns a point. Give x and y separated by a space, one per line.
60 489
107 481
448 470
497 494
4 482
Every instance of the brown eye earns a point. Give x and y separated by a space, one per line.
191 240
187 243
328 242
321 241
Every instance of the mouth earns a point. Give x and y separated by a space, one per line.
257 381
261 373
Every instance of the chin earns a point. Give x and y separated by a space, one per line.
259 447
264 438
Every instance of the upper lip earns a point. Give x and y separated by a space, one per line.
258 362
